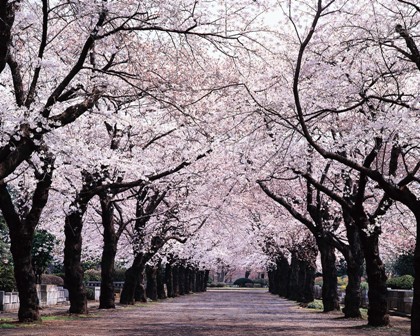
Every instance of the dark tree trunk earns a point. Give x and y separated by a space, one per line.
354 258
206 279
375 269
193 279
181 274
415 309
7 17
151 283
329 276
140 292
107 297
283 277
72 265
270 274
21 245
133 277
169 280
309 281
276 279
294 291
187 280
160 279
21 236
175 279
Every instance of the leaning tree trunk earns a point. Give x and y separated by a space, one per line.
329 276
375 269
151 283
72 265
133 275
21 236
107 297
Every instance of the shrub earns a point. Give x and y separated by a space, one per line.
217 284
316 304
242 282
404 264
119 274
402 282
262 282
90 293
364 285
7 278
51 279
92 275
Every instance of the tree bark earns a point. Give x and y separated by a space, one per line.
175 279
21 230
181 274
107 297
169 280
133 277
415 309
283 277
294 291
160 279
354 258
375 269
151 283
72 265
329 276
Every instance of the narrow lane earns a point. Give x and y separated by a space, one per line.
214 313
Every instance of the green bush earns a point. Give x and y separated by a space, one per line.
90 293
404 264
242 282
51 279
7 278
364 285
262 282
119 274
316 304
402 282
217 284
92 275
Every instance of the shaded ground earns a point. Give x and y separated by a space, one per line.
214 313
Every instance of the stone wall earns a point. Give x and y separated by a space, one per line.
48 295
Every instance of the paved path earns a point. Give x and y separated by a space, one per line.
214 313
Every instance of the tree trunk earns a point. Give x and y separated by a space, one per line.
160 279
415 309
329 276
181 274
187 280
206 279
375 269
309 281
270 274
21 245
140 292
175 279
72 266
283 277
169 280
293 289
107 297
354 258
21 236
151 283
133 276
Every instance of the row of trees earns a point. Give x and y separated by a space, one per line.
155 128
